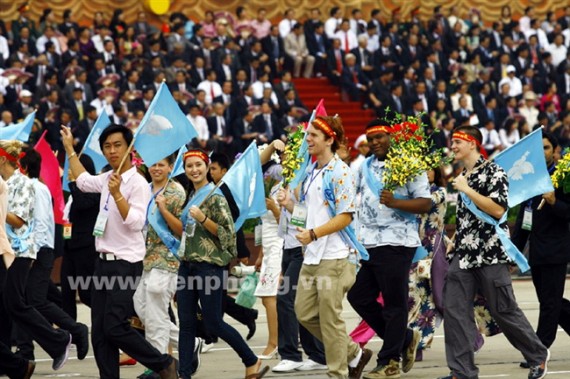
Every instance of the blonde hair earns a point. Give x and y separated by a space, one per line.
13 148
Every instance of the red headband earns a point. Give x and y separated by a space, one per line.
324 127
197 153
466 137
9 157
379 129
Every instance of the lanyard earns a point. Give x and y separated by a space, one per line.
153 199
313 177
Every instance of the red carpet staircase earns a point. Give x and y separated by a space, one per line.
354 118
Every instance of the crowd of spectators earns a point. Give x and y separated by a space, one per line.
232 75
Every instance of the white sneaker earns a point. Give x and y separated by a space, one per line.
207 347
310 365
287 366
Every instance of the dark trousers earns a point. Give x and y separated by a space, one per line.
549 281
387 271
26 317
495 283
10 364
204 282
111 308
5 320
37 288
76 264
288 326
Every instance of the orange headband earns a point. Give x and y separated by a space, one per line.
379 129
197 153
324 127
466 137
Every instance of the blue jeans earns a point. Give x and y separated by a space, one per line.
204 282
289 328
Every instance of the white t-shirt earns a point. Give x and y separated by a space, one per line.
326 247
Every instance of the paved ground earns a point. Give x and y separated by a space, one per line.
496 360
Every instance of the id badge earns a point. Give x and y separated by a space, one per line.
299 216
258 238
527 219
100 224
67 230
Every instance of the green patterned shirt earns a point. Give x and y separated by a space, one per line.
157 254
206 247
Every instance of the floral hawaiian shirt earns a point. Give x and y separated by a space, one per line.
21 200
157 254
477 242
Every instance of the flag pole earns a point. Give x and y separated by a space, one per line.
211 192
126 155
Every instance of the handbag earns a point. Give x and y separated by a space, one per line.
245 296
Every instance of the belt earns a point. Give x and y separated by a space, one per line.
108 257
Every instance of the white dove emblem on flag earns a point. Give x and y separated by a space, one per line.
156 124
521 167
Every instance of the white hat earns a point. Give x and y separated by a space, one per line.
360 140
511 68
25 93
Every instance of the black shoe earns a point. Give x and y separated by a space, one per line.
252 326
196 356
81 340
524 364
356 372
60 360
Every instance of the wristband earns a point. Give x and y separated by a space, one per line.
119 199
313 235
74 154
205 219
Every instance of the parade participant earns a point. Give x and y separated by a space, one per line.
480 261
20 230
79 254
324 213
549 237
160 265
39 276
207 246
387 227
10 363
121 247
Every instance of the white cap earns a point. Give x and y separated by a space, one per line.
511 68
25 93
360 140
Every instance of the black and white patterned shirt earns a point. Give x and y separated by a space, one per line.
477 242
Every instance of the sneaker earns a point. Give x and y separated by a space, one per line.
391 370
81 341
196 356
310 365
206 347
409 356
539 371
60 360
287 366
356 372
524 364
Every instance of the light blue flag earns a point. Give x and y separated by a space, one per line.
178 167
163 129
91 147
245 181
20 131
525 166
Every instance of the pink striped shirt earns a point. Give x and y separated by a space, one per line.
122 238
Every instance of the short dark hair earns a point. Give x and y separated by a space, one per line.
221 159
115 128
551 138
31 162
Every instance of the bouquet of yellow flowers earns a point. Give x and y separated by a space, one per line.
561 175
410 154
294 154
